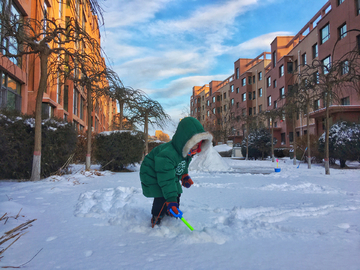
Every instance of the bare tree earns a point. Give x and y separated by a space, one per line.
329 82
147 112
46 39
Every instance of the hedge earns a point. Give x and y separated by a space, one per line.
117 149
17 145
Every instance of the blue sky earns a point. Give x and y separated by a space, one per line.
165 47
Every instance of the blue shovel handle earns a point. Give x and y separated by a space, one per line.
182 219
176 215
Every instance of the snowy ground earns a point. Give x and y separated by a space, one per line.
295 219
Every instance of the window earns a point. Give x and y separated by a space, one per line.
260 92
275 84
290 68
268 81
208 113
237 104
250 96
224 95
9 43
243 112
249 79
250 111
269 100
225 108
75 105
274 58
82 103
237 90
303 58
315 51
60 8
275 104
282 92
342 31
260 108
66 98
254 110
281 71
260 76
254 79
339 2
237 73
316 104
243 82
325 33
345 67
10 93
214 110
208 103
291 137
244 97
254 95
326 64
358 6
345 101
232 101
283 138
232 88
213 99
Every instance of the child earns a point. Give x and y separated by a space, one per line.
167 164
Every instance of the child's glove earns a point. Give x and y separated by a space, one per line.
173 206
186 181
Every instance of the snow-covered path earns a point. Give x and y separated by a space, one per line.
295 219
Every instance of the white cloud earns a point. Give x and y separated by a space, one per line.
257 44
127 13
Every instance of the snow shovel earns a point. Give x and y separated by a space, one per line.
183 219
302 158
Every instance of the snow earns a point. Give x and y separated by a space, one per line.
245 217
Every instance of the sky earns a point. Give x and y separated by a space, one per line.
166 47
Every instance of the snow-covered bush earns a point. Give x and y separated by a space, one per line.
344 142
17 145
117 149
259 144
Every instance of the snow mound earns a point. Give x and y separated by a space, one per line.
210 161
121 207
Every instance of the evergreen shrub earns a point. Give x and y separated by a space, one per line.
259 144
17 145
117 149
81 148
344 142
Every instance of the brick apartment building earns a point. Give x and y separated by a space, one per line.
20 77
261 84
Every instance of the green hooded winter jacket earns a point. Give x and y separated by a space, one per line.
163 167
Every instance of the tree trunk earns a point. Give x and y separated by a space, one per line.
327 120
121 105
294 138
272 142
146 134
89 130
308 136
36 165
247 143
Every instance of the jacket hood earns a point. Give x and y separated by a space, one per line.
188 133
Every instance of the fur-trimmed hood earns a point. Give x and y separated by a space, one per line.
188 133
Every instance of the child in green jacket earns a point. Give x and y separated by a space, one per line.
167 164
